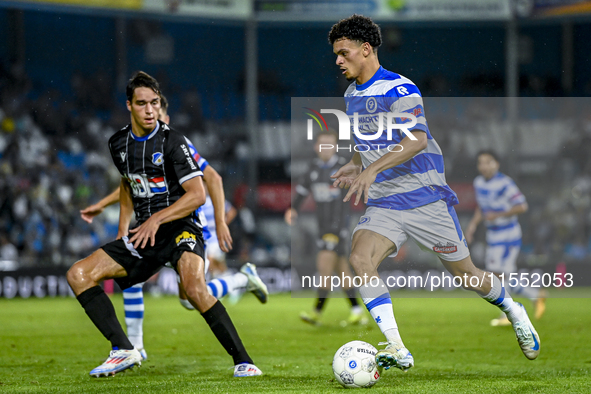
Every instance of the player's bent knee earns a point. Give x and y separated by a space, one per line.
360 263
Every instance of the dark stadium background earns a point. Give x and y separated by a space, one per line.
230 80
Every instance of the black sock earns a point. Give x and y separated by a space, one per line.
99 308
220 323
322 296
352 294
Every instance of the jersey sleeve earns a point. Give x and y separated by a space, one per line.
184 163
198 158
118 158
513 194
406 98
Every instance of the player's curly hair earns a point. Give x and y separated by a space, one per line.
141 80
357 28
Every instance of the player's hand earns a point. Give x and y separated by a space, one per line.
145 232
224 237
345 176
88 213
492 215
361 185
290 216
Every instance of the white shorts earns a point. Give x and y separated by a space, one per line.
213 251
502 259
434 227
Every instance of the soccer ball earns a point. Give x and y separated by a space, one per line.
354 365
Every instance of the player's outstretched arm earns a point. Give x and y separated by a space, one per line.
93 210
363 181
193 198
215 187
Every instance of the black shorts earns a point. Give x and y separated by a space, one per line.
335 243
172 239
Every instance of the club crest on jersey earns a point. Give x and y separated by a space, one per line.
364 220
157 158
371 105
447 248
186 238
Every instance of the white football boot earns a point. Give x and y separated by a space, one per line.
245 370
394 355
119 360
527 336
255 284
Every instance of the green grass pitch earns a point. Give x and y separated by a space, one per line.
49 346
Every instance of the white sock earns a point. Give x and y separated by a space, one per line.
220 287
500 297
378 302
133 304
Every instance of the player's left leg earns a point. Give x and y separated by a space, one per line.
190 269
489 287
133 305
84 278
326 261
246 279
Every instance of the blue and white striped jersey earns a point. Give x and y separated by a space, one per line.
499 194
420 180
200 214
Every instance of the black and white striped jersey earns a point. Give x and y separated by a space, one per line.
331 213
155 166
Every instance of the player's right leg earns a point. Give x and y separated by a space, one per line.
84 278
368 250
191 270
326 261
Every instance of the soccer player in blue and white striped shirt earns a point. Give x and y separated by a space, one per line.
499 202
402 180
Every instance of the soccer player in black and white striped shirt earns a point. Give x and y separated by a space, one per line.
162 183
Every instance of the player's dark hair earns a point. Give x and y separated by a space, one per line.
141 80
329 132
163 103
356 28
489 152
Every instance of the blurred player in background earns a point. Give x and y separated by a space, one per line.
332 217
216 256
133 297
161 182
405 190
499 202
